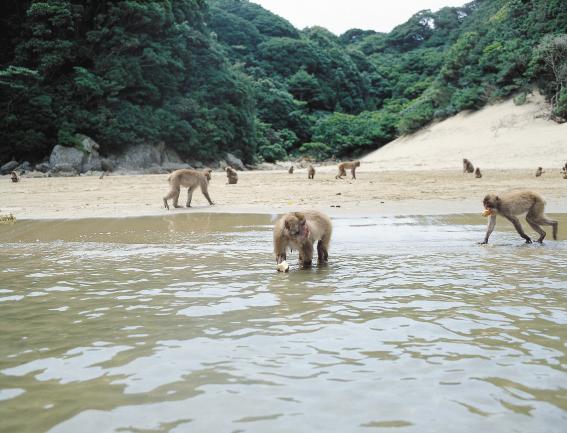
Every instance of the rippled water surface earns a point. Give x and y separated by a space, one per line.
181 324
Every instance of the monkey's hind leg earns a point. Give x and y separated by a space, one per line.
519 228
533 224
322 251
173 194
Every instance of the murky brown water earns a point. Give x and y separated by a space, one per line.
181 324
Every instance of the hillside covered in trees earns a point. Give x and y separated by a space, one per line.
227 75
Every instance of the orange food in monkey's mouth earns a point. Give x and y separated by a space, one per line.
487 212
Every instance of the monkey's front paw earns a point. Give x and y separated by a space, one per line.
528 241
483 243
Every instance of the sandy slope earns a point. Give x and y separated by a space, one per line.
501 136
423 176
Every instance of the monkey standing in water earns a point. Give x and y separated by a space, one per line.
311 172
190 179
351 165
511 204
467 166
300 230
231 175
477 173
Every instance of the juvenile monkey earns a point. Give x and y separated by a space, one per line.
477 173
539 172
511 204
299 231
190 179
351 165
15 177
231 175
311 172
290 171
467 166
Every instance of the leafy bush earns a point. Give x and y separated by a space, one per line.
316 150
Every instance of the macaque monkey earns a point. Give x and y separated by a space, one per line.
311 172
564 169
290 171
15 177
299 231
190 179
539 172
477 173
351 165
511 204
231 175
467 166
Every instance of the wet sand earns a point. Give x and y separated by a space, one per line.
374 192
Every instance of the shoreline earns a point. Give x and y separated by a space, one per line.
373 193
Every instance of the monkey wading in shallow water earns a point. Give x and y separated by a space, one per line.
511 204
190 179
343 166
299 231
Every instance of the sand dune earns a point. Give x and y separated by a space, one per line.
501 136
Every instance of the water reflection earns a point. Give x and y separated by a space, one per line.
181 324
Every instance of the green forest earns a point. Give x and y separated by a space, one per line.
217 76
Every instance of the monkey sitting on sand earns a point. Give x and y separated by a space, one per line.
299 231
231 175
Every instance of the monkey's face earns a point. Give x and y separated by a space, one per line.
294 226
490 201
357 164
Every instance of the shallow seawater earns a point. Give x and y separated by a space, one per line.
182 324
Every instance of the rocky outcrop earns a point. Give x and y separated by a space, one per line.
8 167
64 158
234 162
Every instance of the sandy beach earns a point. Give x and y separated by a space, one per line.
416 174
421 192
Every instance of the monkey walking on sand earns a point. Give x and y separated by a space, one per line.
299 231
351 165
512 204
190 179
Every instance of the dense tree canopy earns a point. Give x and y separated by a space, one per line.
207 77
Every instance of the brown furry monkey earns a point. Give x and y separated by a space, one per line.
190 179
351 165
311 172
14 176
514 203
290 171
477 173
539 172
299 231
467 166
231 175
